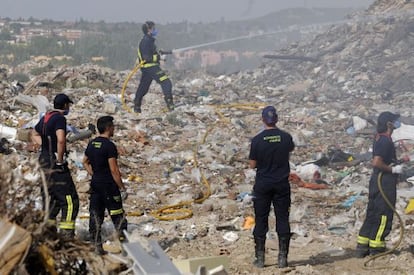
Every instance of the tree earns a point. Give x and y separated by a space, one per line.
15 28
5 35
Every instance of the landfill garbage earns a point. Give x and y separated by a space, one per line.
296 180
307 171
410 207
5 146
350 201
14 242
359 123
231 237
199 148
7 132
248 223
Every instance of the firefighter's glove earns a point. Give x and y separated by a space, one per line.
397 169
163 57
61 167
124 194
162 52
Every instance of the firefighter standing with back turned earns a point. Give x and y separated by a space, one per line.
50 133
149 58
107 189
379 216
269 154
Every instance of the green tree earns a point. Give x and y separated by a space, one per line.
5 35
15 28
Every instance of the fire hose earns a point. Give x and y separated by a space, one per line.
401 232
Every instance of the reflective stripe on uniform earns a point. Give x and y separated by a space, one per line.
70 208
377 242
139 55
67 225
363 240
116 212
147 65
163 78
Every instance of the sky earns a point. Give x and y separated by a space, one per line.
160 11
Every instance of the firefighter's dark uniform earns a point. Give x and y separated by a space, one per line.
61 188
151 70
105 193
270 149
379 216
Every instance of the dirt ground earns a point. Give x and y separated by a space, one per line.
314 249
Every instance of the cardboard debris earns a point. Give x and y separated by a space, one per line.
328 91
191 265
14 244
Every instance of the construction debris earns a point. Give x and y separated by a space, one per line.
192 162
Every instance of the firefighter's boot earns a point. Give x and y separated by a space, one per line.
362 250
67 234
99 249
137 106
284 241
97 241
170 103
259 252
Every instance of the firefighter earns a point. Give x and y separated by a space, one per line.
107 189
50 134
269 154
149 58
379 216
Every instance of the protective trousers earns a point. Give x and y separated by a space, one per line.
379 216
265 195
63 196
106 197
149 74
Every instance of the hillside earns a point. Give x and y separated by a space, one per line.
115 43
328 91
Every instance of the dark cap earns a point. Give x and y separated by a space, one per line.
269 115
60 101
385 117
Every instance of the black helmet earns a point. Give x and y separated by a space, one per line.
147 25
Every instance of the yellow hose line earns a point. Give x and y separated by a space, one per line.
132 73
180 210
177 211
401 233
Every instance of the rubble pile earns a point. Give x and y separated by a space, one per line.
328 96
20 191
382 6
369 59
31 243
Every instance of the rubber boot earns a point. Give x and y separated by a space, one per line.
284 241
99 249
137 106
170 103
67 234
259 252
121 237
97 242
51 226
362 250
376 250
